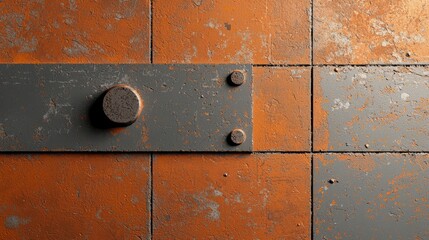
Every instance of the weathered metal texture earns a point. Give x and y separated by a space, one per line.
74 196
122 105
368 32
371 108
240 31
257 196
186 108
237 137
237 78
375 196
74 31
282 109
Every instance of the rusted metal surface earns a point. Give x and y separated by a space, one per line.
187 108
122 105
75 196
240 31
371 32
246 196
371 108
237 78
75 31
282 109
375 196
237 137
219 196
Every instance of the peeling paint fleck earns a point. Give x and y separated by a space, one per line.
13 222
371 108
382 32
77 49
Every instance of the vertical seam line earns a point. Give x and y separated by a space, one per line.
312 118
151 29
151 196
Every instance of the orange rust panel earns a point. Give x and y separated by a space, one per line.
240 31
74 196
320 115
282 109
74 31
371 32
258 196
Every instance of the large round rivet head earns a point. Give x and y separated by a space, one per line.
237 137
237 78
122 105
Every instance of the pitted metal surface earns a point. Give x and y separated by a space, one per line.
371 108
237 137
61 108
237 78
122 105
370 196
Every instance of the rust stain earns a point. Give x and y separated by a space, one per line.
74 195
231 196
74 31
117 131
241 31
372 32
358 162
320 116
281 118
390 191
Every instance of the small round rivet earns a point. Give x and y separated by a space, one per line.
237 137
122 105
237 78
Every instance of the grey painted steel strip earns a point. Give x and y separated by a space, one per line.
372 108
371 196
54 107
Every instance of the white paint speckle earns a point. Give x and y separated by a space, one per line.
217 193
338 104
213 24
237 198
385 43
405 96
363 75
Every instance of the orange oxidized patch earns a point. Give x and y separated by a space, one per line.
75 31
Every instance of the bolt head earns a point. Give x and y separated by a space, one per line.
237 137
122 105
237 78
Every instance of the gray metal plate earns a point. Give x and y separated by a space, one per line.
371 196
186 108
371 108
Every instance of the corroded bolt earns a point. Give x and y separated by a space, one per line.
237 137
122 105
237 78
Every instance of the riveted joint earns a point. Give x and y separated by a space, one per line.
237 137
237 78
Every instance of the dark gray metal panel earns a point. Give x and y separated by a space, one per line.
372 108
186 108
371 196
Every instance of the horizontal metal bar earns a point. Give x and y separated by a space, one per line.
56 107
